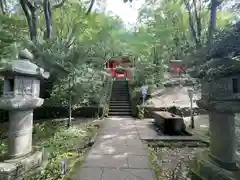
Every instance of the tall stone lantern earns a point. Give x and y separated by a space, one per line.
20 97
221 98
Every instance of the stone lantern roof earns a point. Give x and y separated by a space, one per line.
217 68
25 68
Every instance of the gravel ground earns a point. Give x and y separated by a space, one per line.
171 162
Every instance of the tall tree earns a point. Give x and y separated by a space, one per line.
30 11
3 6
212 22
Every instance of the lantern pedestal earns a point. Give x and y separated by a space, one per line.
203 167
220 96
20 97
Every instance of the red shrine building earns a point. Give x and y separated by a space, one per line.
120 68
177 67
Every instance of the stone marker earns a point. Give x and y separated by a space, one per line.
221 98
169 123
20 97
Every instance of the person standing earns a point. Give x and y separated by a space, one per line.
144 91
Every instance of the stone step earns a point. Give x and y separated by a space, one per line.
117 106
120 90
120 106
119 99
124 87
121 96
119 110
120 113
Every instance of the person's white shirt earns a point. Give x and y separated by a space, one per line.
144 89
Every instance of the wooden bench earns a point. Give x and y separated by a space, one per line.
168 122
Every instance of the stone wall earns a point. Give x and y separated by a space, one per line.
185 112
48 112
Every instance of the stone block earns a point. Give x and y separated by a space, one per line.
14 168
202 167
170 123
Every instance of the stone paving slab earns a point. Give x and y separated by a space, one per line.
128 174
118 153
114 174
111 141
107 161
138 162
119 149
87 174
146 129
134 142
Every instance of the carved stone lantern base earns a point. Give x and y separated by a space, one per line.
204 168
13 169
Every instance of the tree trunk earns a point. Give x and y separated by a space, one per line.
70 104
30 13
48 18
191 24
70 110
90 7
198 21
2 6
212 23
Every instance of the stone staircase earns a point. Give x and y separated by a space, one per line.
119 101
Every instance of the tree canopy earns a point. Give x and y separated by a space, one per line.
73 38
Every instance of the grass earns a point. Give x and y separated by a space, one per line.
60 143
153 157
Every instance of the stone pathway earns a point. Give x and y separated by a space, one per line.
118 154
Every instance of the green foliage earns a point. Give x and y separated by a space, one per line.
3 147
60 143
13 30
141 111
80 45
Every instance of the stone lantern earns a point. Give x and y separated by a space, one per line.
20 97
221 98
